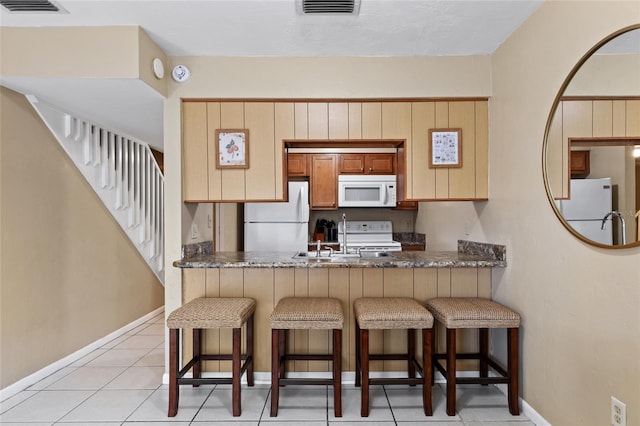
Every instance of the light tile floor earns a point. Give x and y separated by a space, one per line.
121 384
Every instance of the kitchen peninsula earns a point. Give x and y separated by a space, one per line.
269 276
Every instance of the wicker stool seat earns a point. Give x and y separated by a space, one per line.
473 312
205 313
313 313
373 313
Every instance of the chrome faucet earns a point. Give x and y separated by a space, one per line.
619 216
344 233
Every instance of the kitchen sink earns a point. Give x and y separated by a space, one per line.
376 254
327 256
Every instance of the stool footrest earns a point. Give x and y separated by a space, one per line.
396 381
491 361
305 381
389 357
210 380
307 357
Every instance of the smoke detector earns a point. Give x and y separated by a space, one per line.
328 7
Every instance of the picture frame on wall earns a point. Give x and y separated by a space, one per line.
445 148
232 148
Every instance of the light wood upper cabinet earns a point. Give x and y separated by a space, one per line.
194 152
270 123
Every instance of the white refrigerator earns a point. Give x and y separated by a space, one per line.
589 203
282 226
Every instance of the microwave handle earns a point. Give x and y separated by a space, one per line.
386 195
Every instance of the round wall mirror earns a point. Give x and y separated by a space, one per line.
591 150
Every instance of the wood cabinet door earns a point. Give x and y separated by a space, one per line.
324 182
368 164
297 165
379 164
351 163
580 166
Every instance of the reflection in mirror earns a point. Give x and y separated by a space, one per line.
591 173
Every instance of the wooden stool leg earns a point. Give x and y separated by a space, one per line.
427 369
282 350
249 346
433 354
275 374
512 370
337 372
364 393
174 392
236 362
483 349
411 353
197 350
451 371
358 355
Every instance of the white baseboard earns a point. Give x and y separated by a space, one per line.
31 379
535 417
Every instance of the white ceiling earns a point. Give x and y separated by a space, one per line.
263 28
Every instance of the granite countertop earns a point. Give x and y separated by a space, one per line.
469 255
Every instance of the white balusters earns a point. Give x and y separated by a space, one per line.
123 173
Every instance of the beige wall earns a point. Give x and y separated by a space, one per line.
68 274
84 52
581 321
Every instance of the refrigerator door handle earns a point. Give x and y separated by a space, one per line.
300 198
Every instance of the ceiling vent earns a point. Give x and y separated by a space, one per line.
328 7
34 6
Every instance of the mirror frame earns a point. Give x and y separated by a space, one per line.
554 107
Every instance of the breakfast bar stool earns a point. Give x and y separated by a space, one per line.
211 312
483 314
306 313
378 313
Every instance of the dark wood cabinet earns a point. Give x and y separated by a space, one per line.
324 182
406 205
580 166
368 164
297 165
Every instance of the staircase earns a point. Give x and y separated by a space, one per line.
122 171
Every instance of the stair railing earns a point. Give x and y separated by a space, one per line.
122 171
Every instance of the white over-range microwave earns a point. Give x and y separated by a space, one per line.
366 191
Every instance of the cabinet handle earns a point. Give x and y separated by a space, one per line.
370 169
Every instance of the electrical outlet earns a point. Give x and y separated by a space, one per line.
618 412
194 231
209 221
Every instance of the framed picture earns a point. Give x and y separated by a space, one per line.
445 148
232 148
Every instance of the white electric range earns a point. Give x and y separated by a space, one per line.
370 235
